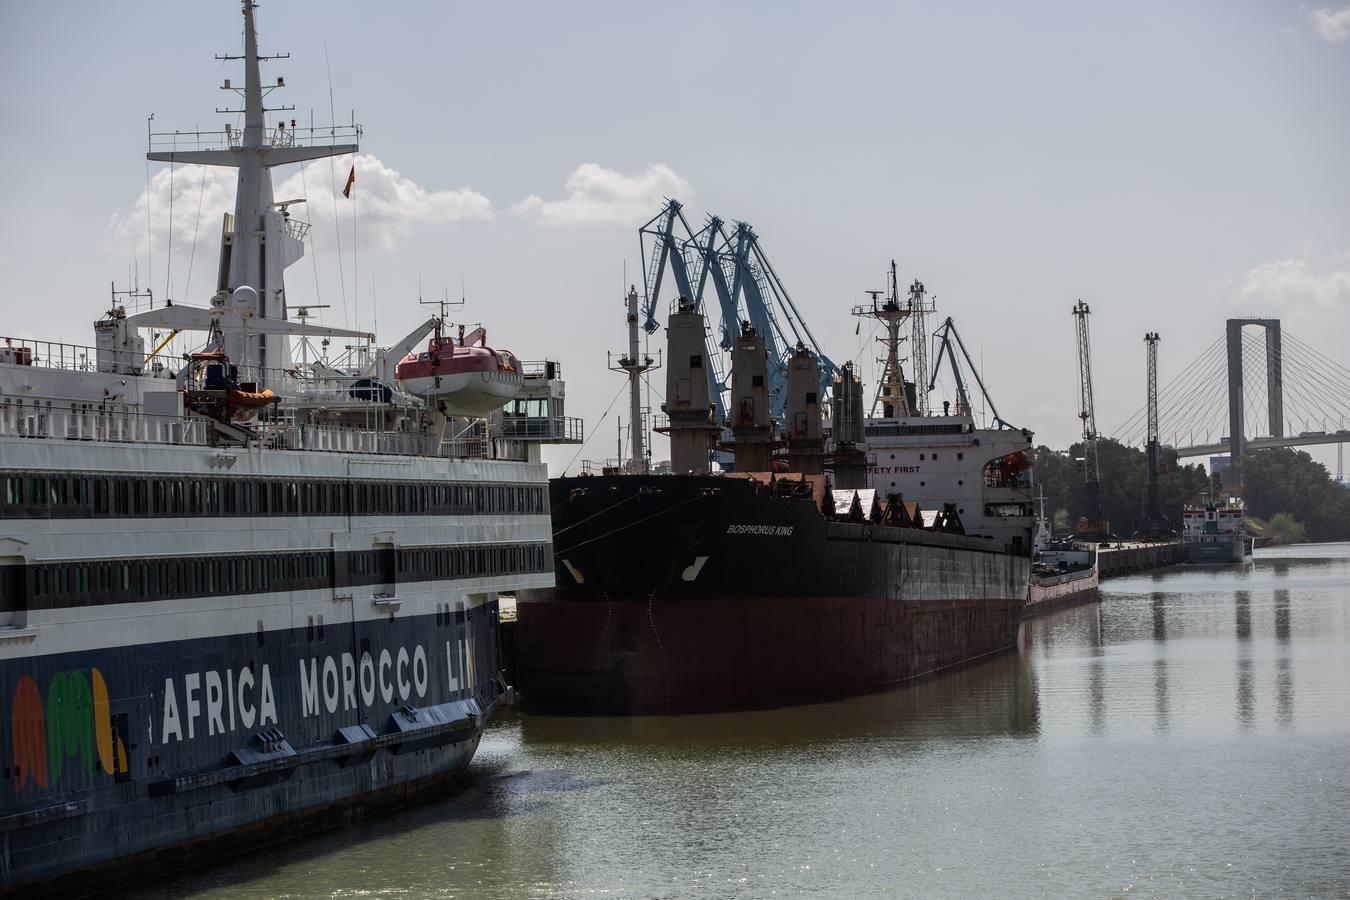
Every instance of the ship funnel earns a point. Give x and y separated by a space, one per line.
689 418
751 425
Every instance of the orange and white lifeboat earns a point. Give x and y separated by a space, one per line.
467 376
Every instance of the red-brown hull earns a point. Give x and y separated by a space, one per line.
743 652
1048 595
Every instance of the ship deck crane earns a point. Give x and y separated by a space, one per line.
662 249
947 350
746 285
1093 525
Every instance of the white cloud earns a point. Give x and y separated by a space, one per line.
389 204
1292 285
184 184
1332 24
600 196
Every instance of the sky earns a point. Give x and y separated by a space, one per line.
1171 164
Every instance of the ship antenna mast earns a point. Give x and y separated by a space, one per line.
635 365
920 305
257 237
890 396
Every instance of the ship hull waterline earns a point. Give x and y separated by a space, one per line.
686 594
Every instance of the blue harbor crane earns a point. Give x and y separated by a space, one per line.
662 249
747 288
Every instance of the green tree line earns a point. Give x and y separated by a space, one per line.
1124 477
1277 481
1284 480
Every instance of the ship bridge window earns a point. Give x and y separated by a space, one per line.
1007 510
1012 470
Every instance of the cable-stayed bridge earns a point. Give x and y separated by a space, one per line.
1250 390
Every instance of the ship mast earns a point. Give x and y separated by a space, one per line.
890 395
259 241
635 365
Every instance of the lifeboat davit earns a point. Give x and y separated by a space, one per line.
466 375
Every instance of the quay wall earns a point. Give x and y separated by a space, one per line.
1138 557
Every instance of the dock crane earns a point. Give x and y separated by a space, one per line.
1092 526
1155 525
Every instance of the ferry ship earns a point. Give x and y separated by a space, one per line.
1216 533
817 568
243 593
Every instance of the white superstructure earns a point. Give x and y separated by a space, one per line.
246 585
939 458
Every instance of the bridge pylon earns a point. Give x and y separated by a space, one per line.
1274 383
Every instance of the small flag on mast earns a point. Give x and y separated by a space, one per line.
351 180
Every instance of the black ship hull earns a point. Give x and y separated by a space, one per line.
130 759
682 593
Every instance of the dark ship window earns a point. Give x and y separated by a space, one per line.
920 456
696 362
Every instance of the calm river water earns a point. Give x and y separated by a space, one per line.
1190 737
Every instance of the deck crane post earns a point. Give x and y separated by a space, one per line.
747 288
1155 525
1093 525
661 248
757 286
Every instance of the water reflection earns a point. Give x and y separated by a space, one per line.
1159 606
1246 700
992 698
1284 666
1282 615
1242 603
1161 709
1284 692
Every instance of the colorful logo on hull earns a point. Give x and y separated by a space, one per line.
73 726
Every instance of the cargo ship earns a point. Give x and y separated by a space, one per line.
1216 533
1064 572
244 591
790 578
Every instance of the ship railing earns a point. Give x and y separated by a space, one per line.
82 358
297 229
472 440
544 369
550 429
233 138
92 424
